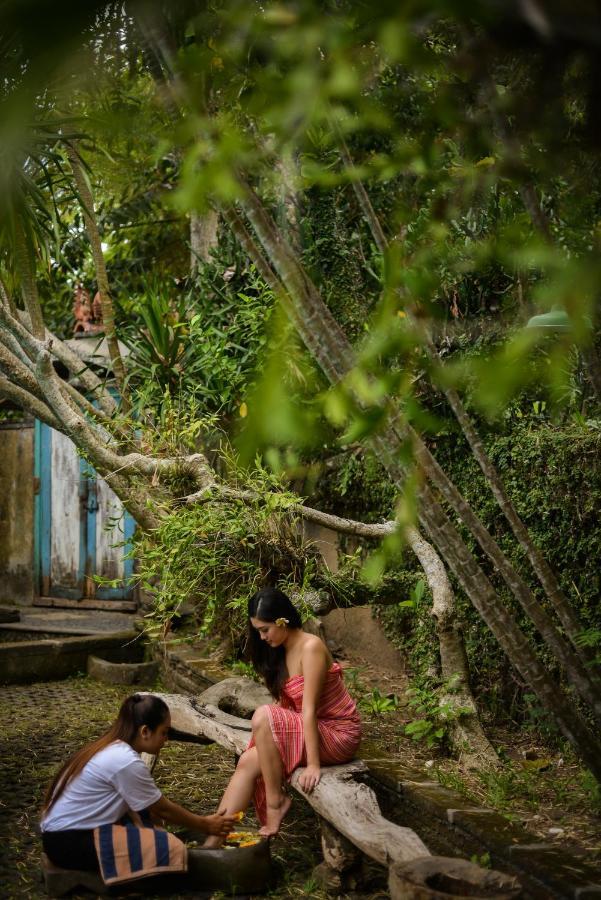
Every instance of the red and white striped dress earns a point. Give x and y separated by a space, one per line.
338 724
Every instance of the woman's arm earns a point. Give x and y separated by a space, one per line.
315 667
177 815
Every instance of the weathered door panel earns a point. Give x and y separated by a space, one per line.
66 538
113 530
81 526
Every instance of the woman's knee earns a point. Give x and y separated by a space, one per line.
260 717
248 759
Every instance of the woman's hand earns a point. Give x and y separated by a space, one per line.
309 778
219 823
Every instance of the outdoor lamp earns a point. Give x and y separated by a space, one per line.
554 320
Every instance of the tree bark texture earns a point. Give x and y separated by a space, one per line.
203 237
26 268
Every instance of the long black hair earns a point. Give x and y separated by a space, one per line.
269 604
136 711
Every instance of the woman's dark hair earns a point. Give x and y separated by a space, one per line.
136 711
269 604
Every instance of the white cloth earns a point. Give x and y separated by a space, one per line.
113 781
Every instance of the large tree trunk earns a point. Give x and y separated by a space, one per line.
203 237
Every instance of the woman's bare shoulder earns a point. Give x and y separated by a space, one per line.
315 649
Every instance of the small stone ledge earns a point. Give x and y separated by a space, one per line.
546 870
554 868
122 673
47 660
185 669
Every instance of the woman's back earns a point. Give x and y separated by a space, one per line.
114 780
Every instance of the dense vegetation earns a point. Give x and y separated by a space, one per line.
395 226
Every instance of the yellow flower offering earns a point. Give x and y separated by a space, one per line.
235 837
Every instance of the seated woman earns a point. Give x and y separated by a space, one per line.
313 723
107 779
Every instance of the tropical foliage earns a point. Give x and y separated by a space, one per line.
415 192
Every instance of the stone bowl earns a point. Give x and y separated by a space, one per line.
240 870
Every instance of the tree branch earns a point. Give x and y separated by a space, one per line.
76 366
28 402
108 314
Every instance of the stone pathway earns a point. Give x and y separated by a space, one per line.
42 724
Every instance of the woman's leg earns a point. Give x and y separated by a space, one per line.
270 761
239 791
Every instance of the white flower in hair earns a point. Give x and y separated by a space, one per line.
282 621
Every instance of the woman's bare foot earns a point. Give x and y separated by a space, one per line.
275 815
213 842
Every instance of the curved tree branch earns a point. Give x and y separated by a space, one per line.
28 402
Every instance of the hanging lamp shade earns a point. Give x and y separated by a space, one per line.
554 320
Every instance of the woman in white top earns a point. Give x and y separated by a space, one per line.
105 779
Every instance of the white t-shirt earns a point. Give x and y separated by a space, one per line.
113 781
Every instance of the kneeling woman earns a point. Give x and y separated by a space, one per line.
106 780
313 723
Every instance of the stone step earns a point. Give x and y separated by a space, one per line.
108 605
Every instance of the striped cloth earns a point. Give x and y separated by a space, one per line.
338 724
134 848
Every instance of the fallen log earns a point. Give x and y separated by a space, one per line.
347 807
341 797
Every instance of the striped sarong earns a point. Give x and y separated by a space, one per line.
338 724
135 848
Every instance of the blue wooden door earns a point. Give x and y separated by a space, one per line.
82 529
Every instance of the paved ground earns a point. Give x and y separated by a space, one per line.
42 724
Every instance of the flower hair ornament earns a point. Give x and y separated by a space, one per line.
282 622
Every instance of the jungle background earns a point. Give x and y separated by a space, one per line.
335 242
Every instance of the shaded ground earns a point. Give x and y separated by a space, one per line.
45 722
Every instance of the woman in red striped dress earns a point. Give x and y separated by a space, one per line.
314 721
